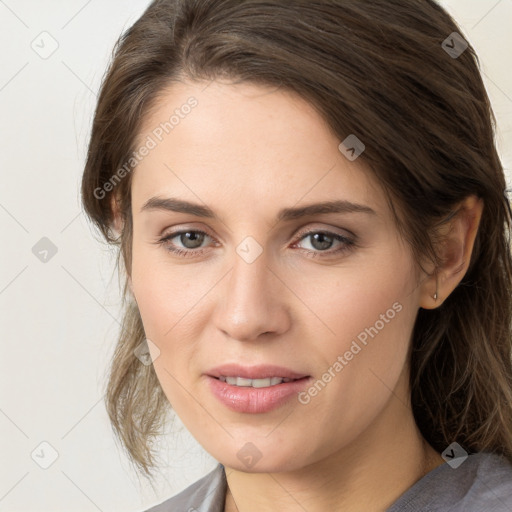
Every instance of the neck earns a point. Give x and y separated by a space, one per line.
370 474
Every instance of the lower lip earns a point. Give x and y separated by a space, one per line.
255 400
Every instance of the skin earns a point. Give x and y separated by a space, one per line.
246 152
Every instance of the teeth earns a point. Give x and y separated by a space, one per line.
255 383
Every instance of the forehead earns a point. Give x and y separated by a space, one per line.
228 142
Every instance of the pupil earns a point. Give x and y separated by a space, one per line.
196 239
321 241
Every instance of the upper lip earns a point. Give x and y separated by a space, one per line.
263 371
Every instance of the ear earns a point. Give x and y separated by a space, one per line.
457 242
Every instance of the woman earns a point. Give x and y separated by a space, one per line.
314 225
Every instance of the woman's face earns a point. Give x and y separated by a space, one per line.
266 285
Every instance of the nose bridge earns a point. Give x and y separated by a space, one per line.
249 280
252 301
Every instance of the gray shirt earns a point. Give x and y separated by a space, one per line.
483 483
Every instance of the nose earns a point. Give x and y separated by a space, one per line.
252 301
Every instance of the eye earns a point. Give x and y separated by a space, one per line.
322 242
187 241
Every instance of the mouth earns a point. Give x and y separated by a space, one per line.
255 383
255 389
239 375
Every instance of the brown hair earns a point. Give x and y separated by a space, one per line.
376 69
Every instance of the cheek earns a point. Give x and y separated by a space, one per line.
361 300
360 370
362 340
168 298
167 294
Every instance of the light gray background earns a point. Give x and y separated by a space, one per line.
59 318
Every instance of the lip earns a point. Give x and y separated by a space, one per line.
255 400
254 372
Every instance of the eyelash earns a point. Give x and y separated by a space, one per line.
347 243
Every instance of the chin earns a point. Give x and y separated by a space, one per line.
263 455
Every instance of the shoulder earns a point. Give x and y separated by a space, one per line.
207 494
482 482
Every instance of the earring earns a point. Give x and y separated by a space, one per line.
435 296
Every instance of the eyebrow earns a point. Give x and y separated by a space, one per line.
178 205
